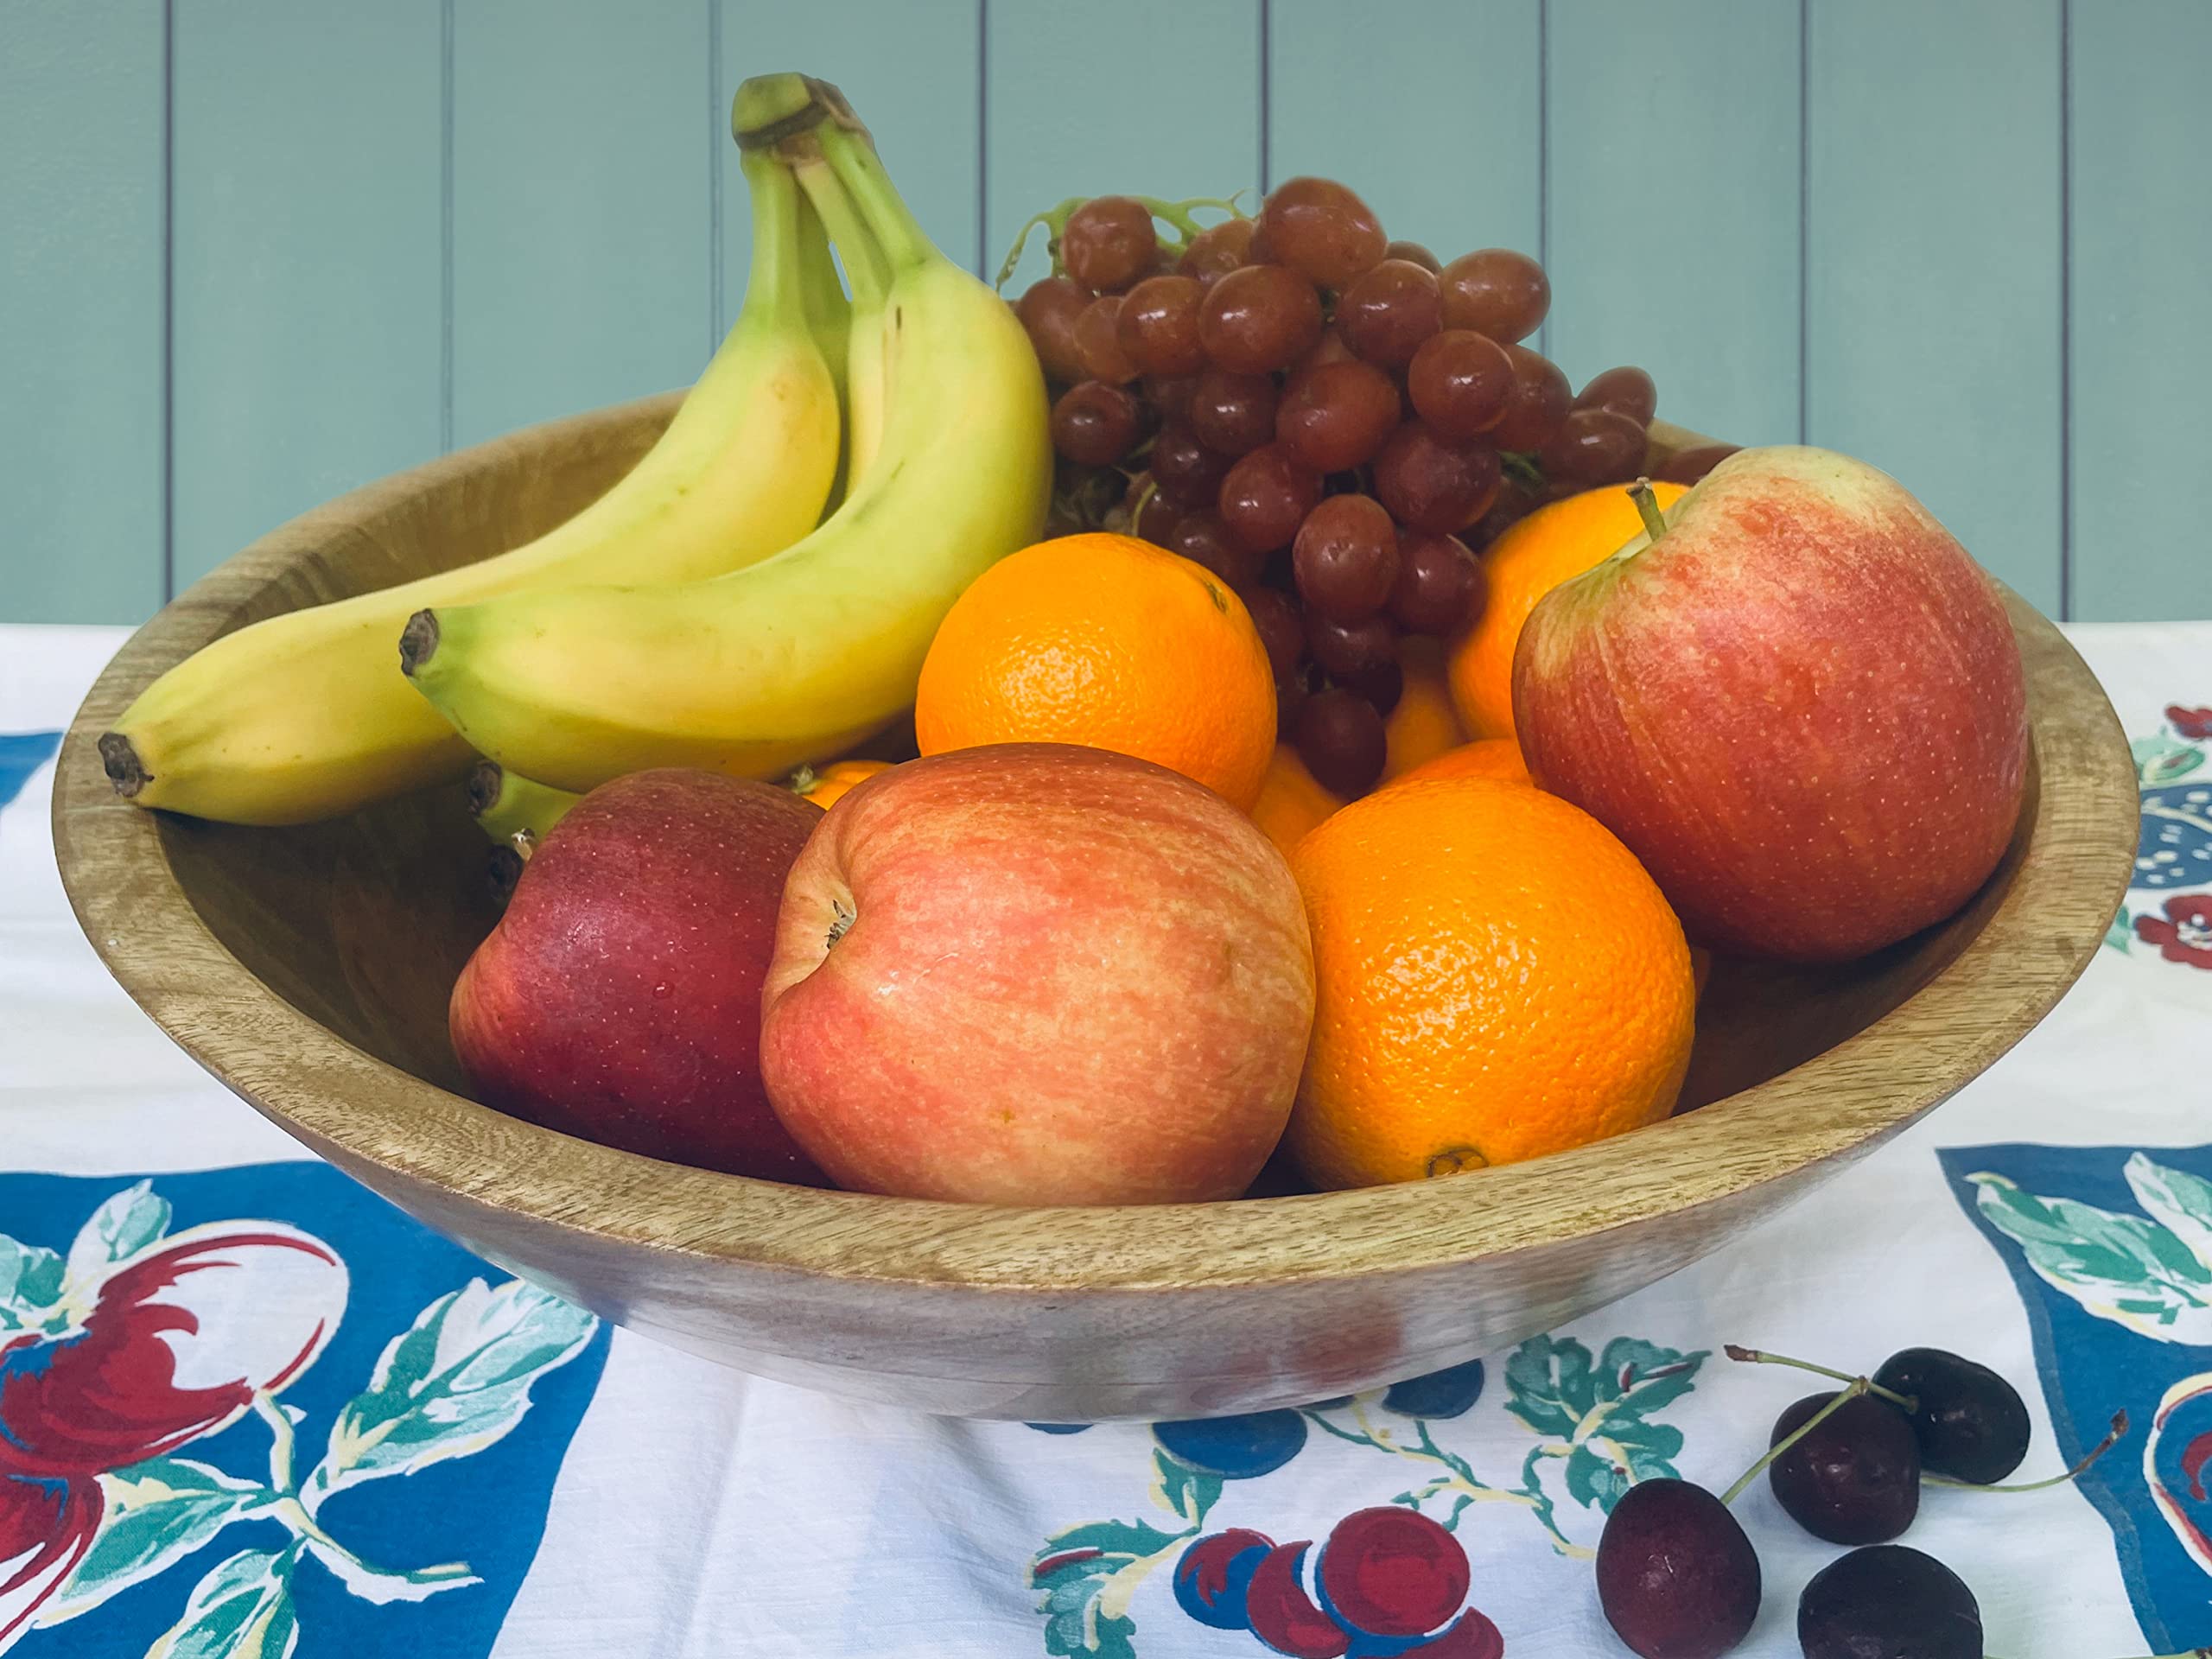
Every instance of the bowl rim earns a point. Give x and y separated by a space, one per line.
365 1114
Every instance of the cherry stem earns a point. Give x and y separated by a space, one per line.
1760 1357
1655 522
2119 1432
1858 1386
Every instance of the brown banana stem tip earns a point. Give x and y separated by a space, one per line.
418 641
125 769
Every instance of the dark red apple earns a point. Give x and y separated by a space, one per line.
619 999
1801 706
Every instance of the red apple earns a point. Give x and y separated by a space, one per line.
619 999
1033 973
1801 706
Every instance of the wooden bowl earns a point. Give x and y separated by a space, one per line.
309 968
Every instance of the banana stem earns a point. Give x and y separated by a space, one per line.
898 234
773 285
858 250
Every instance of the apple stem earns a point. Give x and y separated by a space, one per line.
2119 1432
1760 1357
525 844
1647 507
1858 1386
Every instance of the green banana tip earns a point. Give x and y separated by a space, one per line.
418 642
771 110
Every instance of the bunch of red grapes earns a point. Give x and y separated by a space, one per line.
1331 422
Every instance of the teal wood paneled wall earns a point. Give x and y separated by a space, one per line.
255 251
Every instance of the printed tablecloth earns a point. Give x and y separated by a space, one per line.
247 1409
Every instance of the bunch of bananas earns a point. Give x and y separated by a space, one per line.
703 612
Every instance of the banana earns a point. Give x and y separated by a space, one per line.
504 805
304 715
804 654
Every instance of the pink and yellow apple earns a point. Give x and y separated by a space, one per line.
1801 705
1037 974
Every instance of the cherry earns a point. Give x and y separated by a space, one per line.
1237 1448
1676 1576
1889 1602
1391 1571
1971 1423
1215 1574
1448 1393
1852 1479
1283 1616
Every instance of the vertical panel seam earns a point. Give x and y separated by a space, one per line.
1544 155
445 223
982 139
1267 95
2066 310
1804 219
167 370
714 175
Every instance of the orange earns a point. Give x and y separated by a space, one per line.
1292 800
1497 979
826 787
1111 642
1531 559
1498 758
1423 724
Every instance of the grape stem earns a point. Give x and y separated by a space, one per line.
1055 221
1858 1386
1760 1357
2119 1432
1655 522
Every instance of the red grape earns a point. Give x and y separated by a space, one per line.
1274 615
1335 416
1537 405
1495 292
1170 394
1342 740
1430 482
1345 557
1330 348
1048 310
1233 413
1320 230
1096 424
1440 586
1416 252
1625 390
1158 327
1202 537
1290 699
1097 337
1387 312
1382 685
1156 519
1459 382
1188 472
1108 243
1266 497
1687 466
1593 446
1259 318
1515 502
1349 647
1216 250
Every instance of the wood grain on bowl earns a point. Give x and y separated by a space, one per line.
308 970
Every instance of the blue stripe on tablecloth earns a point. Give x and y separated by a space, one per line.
20 755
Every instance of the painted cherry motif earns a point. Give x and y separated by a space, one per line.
167 1346
2178 1464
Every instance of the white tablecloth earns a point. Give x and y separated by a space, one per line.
446 1463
